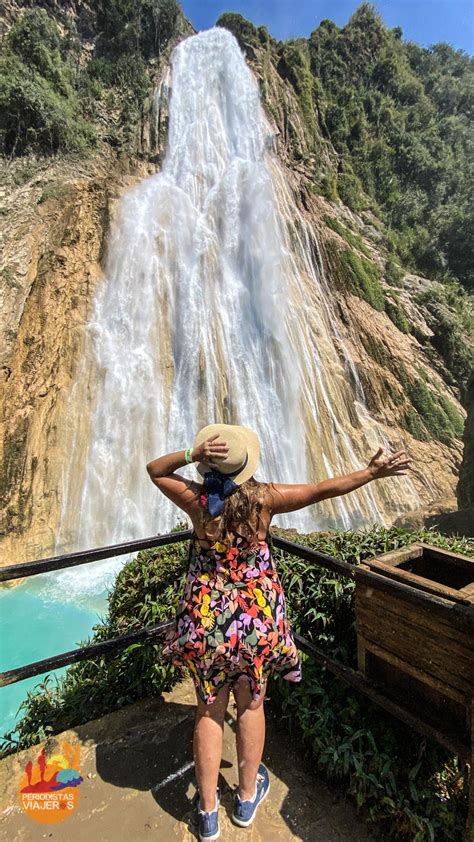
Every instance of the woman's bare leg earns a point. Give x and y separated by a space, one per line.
207 745
250 736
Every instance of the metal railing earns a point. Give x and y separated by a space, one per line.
350 676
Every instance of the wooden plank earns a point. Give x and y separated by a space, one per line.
403 630
424 654
360 653
416 672
395 557
414 551
427 662
459 615
408 634
362 684
420 582
439 709
460 560
401 612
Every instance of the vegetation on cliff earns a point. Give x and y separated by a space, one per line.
40 101
399 118
391 117
404 783
53 93
388 132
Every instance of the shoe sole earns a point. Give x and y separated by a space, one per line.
241 822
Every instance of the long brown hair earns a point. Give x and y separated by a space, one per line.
241 514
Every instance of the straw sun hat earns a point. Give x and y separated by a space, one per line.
244 451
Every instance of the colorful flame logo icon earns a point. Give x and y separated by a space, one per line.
48 789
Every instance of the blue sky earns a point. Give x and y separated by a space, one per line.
423 21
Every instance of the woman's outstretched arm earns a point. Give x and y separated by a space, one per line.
289 498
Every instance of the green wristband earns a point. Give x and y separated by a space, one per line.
189 454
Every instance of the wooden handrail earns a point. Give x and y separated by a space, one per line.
59 562
84 653
337 565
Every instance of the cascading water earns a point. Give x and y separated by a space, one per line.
214 307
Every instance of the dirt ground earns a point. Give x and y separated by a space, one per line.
139 779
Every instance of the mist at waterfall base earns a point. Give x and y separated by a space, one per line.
214 306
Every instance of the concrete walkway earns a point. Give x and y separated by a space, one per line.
139 779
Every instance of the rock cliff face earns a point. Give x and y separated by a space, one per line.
54 232
55 216
392 358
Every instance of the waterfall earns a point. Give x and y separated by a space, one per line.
214 307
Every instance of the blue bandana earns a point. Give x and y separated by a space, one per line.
218 487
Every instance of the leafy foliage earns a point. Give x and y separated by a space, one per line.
436 417
346 234
393 272
465 489
294 65
396 313
245 32
399 117
49 95
139 28
449 313
39 105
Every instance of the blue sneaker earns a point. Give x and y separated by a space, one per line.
208 822
244 811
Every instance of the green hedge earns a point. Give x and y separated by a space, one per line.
448 310
344 232
397 315
406 786
436 416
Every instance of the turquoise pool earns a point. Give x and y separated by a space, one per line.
44 616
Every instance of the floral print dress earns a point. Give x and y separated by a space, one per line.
231 619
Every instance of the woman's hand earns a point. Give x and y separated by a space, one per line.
390 466
210 449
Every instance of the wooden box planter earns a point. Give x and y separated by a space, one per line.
415 633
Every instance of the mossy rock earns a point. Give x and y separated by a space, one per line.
246 33
363 278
